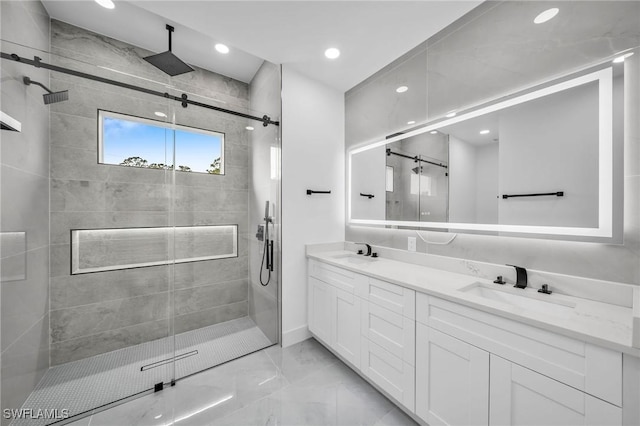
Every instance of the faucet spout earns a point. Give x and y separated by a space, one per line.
368 249
521 276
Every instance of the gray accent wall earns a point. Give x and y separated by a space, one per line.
24 207
104 311
490 52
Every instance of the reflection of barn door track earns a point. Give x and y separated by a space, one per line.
168 360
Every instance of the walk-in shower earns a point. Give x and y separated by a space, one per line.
128 260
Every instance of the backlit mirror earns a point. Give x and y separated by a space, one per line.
536 162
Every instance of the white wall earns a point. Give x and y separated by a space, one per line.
487 183
312 158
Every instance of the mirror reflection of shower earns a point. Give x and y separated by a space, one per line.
267 253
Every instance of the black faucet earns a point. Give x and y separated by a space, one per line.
521 277
368 249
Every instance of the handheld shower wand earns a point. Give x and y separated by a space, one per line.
267 254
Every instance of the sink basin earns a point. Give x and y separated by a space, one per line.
528 299
354 258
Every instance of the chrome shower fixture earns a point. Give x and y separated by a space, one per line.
167 62
50 97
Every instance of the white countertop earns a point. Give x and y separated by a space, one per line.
603 324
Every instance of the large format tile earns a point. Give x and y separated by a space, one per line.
204 297
300 360
111 340
85 320
211 316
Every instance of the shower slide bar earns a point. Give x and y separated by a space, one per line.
416 159
557 194
184 100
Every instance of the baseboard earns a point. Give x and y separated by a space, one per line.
294 336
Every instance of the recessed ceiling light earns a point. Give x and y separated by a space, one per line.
402 89
451 114
484 132
249 128
160 114
222 48
107 4
546 15
433 132
411 122
332 53
622 58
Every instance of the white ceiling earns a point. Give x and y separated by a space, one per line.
370 34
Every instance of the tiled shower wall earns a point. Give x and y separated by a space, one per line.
264 175
24 216
100 312
490 52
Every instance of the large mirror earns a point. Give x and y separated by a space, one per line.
536 162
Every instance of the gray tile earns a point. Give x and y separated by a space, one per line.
84 347
211 316
193 218
205 297
60 260
76 164
302 359
137 197
20 24
191 199
74 131
209 272
24 363
85 320
77 195
24 199
25 302
76 290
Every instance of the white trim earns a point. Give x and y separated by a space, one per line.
605 188
296 335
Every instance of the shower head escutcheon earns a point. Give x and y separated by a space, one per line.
50 97
167 62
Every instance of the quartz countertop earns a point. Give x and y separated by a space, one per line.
603 324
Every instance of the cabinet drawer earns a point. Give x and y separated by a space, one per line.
393 375
389 330
338 277
391 296
589 368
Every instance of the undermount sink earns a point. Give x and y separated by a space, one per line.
528 298
354 258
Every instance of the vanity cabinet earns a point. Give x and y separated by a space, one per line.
369 323
452 380
473 367
452 364
519 396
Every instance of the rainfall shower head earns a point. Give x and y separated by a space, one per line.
167 62
50 97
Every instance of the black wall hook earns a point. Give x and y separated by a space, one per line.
310 192
369 196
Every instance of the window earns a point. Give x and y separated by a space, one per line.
131 141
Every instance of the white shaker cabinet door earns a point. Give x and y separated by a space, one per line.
346 326
320 309
452 380
520 396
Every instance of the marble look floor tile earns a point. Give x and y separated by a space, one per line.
301 360
256 390
396 417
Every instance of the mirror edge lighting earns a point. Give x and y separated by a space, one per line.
603 74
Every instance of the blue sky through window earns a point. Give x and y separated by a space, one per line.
128 138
